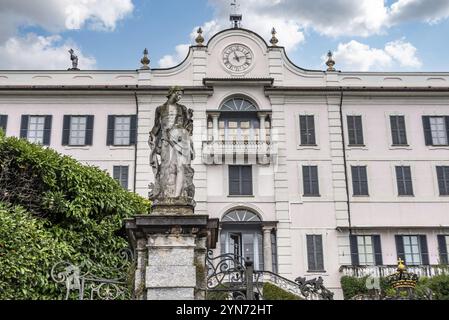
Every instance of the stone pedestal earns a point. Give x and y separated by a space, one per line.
171 252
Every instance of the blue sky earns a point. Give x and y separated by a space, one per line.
365 35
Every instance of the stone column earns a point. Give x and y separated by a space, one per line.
216 133
267 250
175 249
262 130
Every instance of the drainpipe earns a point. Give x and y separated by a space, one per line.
348 201
137 142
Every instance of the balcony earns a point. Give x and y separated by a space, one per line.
226 152
383 271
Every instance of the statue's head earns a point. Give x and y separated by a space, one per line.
71 51
175 93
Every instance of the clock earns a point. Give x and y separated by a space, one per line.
237 58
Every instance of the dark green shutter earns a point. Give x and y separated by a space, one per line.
364 181
47 130
377 250
359 132
247 180
303 129
66 131
89 130
427 130
402 131
24 126
311 126
351 130
3 122
442 248
400 247
447 129
354 250
424 250
394 130
310 253
314 179
234 180
110 134
133 130
319 253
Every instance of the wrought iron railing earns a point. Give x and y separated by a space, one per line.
262 151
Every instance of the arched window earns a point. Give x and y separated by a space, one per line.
238 121
238 105
241 215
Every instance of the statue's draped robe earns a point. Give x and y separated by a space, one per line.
173 144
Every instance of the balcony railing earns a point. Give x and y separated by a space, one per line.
220 152
383 271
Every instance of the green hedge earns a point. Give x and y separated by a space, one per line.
439 285
74 211
272 292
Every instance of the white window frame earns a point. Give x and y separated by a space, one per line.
36 129
122 136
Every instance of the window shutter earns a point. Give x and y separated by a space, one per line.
351 130
315 184
24 127
377 250
319 253
400 247
400 181
303 129
66 131
306 180
424 250
310 253
133 131
124 177
234 180
354 250
394 130
3 122
447 129
427 130
364 181
359 132
402 131
47 130
89 130
442 248
408 180
247 180
110 134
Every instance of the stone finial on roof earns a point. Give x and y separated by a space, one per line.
145 61
199 39
330 62
274 40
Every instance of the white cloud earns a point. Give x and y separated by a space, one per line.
361 57
32 51
38 52
172 60
430 11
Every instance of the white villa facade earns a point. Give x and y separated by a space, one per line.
311 173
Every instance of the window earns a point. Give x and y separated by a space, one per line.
121 175
398 131
240 181
355 131
443 180
307 128
436 130
310 181
122 130
443 248
3 122
412 249
77 130
359 181
366 250
315 252
404 180
36 129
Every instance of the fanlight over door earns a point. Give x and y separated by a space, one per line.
238 105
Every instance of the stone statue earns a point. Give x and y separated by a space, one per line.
172 152
74 59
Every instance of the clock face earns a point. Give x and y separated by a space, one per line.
237 58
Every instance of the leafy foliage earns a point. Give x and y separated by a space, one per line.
439 285
272 292
73 211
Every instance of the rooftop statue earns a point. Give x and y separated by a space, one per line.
171 155
74 59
